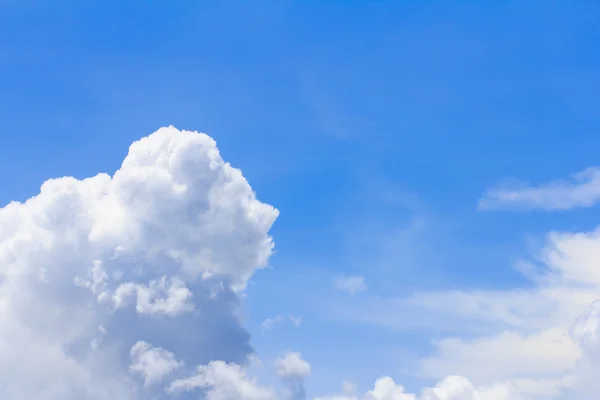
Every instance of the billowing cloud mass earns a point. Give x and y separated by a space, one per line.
580 191
127 286
111 287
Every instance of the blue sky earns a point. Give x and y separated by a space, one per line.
373 127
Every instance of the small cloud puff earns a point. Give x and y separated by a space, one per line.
350 284
292 366
269 323
152 363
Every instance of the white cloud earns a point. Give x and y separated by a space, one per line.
127 286
153 363
349 388
522 337
296 321
222 381
292 370
580 191
175 297
586 330
460 388
586 333
292 366
270 323
93 270
508 356
451 388
350 284
386 389
530 345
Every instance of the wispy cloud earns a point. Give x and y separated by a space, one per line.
580 190
350 284
297 321
331 114
270 323
526 336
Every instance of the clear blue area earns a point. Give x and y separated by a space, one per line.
373 126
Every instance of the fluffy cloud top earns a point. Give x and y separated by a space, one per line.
292 366
223 381
292 369
152 363
581 190
111 285
451 388
127 286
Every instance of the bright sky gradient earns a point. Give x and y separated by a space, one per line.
427 172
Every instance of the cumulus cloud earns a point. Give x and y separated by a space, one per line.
292 366
586 333
586 330
386 389
292 369
524 337
538 349
222 381
350 284
581 190
111 284
128 286
451 388
153 363
532 343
